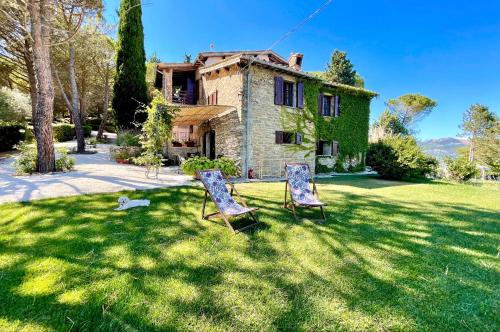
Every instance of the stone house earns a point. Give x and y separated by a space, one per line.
236 104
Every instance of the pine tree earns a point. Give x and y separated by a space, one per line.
340 69
130 90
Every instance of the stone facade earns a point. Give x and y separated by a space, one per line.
267 158
229 127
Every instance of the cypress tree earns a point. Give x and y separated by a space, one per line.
130 90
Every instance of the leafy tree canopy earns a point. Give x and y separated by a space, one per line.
411 108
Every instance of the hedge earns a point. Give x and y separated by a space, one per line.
10 135
66 132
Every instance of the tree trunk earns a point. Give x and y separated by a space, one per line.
105 103
75 111
471 150
40 33
28 60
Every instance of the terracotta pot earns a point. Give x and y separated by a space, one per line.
122 161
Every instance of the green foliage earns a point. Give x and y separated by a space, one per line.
64 163
25 162
87 130
350 129
488 149
63 132
400 157
130 89
340 69
156 130
359 81
410 108
125 152
11 133
391 124
460 169
128 138
15 106
226 165
482 127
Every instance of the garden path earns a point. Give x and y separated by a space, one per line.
94 173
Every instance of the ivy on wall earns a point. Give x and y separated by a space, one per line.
350 129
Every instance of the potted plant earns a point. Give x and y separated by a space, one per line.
190 143
176 144
121 156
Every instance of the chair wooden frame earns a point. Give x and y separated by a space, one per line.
292 205
219 213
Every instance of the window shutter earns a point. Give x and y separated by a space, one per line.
335 148
337 106
300 95
278 90
216 97
278 137
298 138
320 104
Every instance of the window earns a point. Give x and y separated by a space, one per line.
327 105
287 137
288 94
213 98
325 148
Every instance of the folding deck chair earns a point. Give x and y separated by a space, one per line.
215 186
297 177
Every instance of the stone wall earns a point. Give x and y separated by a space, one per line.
229 128
268 158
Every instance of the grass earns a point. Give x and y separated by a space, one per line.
392 256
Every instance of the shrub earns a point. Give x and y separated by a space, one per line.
128 138
15 106
87 130
227 165
125 152
459 169
64 162
26 160
10 135
63 132
399 157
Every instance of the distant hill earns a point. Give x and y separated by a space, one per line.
442 147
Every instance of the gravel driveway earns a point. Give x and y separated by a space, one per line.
94 173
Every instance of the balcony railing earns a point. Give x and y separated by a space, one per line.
182 97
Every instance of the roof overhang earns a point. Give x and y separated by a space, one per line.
176 66
197 114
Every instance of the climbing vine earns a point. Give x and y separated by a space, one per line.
350 129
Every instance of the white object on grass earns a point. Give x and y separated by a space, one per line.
126 203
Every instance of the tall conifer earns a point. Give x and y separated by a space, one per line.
130 90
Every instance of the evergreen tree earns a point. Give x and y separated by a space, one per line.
130 90
340 69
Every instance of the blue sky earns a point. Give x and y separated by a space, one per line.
447 50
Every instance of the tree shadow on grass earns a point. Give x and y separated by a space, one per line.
75 263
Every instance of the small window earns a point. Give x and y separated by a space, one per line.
288 94
326 148
327 106
288 137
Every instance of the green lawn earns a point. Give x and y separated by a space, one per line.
392 256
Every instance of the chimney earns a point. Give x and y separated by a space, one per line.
295 61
